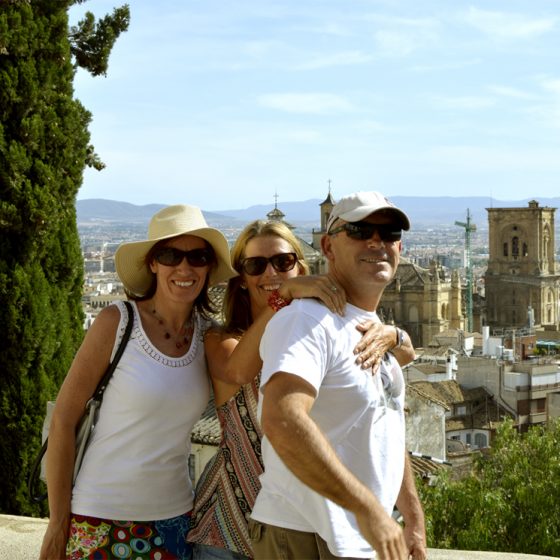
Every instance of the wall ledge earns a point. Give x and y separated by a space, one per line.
20 539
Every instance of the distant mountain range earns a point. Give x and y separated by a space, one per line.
423 211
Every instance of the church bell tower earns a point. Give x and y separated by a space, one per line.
522 282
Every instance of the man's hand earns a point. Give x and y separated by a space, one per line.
384 534
415 542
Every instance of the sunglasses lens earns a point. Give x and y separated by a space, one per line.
389 233
395 236
253 266
364 231
169 256
199 257
284 261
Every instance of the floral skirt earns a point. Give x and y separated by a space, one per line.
100 539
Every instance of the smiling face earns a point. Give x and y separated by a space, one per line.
183 282
260 286
363 267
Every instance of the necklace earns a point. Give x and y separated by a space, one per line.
183 336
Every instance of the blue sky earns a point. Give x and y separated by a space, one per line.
223 103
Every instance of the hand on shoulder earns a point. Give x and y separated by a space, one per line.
322 287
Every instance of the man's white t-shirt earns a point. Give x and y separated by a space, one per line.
363 421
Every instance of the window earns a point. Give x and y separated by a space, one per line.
538 406
505 249
515 247
480 440
546 241
525 250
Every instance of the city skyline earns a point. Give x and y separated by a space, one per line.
224 104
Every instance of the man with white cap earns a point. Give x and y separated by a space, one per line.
334 451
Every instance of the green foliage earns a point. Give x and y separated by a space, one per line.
44 146
510 502
92 42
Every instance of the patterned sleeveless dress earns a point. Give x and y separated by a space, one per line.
228 487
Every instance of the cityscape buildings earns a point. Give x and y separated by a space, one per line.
470 381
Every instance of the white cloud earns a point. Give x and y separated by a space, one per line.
443 67
395 43
549 111
470 102
506 91
402 36
507 25
347 58
260 50
479 158
329 28
552 85
402 22
310 103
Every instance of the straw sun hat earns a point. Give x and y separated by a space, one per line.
170 222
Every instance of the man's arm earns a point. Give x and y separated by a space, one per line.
408 503
298 441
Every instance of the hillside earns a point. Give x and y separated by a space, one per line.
423 211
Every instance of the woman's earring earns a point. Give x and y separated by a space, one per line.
243 286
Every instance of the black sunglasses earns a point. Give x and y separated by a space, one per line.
282 262
365 230
170 256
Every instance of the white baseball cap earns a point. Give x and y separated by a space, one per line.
360 205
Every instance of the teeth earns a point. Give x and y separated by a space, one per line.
271 288
184 284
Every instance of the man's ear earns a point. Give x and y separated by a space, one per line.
326 247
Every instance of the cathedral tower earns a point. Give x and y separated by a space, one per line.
326 209
522 283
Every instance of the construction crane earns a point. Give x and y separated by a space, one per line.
469 228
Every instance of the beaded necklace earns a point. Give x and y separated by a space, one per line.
183 336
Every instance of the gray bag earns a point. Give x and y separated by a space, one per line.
83 433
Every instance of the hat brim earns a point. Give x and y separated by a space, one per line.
362 212
137 277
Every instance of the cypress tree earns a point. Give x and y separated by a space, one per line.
44 148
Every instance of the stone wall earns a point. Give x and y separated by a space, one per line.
20 539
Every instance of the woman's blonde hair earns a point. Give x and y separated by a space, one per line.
237 305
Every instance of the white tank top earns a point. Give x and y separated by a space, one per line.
136 466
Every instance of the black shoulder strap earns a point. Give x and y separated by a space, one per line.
101 386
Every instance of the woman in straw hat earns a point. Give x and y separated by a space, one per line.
272 272
132 496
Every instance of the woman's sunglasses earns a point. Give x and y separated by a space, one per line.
282 262
170 256
365 230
